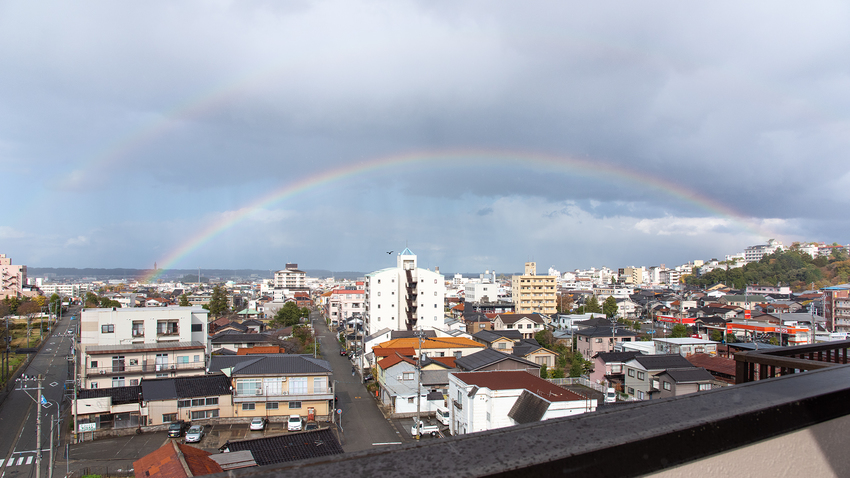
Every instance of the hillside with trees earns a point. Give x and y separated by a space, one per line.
792 267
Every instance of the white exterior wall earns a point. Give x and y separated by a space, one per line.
93 320
474 291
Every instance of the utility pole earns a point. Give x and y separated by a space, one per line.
74 358
419 387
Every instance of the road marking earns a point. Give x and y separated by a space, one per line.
20 460
53 384
29 460
1 462
387 443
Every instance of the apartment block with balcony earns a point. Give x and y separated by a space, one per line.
533 293
12 278
119 347
836 304
277 385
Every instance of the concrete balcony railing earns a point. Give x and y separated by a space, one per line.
144 368
787 426
283 396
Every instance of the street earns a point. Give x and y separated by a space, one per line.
363 425
18 412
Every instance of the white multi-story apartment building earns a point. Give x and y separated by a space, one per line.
476 291
404 297
121 346
290 278
755 253
532 293
345 303
65 290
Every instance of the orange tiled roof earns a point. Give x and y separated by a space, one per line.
165 462
259 350
393 360
450 361
387 351
432 343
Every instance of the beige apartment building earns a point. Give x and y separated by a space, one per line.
533 293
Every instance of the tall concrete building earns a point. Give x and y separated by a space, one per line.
290 278
12 278
404 297
533 293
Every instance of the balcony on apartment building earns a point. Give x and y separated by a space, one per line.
793 424
130 366
275 395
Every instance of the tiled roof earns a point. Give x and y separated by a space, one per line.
447 361
605 332
406 334
662 362
185 387
199 461
517 379
393 360
688 375
487 357
259 350
434 343
489 336
165 462
120 395
290 447
513 318
228 337
613 357
271 364
528 408
435 377
387 351
718 364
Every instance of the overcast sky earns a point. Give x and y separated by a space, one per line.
480 134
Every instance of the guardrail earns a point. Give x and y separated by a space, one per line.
759 365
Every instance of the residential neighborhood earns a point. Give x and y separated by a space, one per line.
228 369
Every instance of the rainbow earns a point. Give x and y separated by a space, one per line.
540 161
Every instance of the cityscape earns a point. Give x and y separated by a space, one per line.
227 373
403 238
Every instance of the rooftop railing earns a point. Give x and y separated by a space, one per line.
759 365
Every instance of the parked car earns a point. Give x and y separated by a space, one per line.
176 429
294 423
425 429
311 425
195 433
342 352
258 423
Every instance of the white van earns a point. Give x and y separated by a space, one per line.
443 416
611 396
294 423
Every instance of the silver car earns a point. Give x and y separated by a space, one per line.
195 433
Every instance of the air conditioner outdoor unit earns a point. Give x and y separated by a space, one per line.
283 379
259 391
103 372
173 367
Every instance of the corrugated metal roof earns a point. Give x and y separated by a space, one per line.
289 447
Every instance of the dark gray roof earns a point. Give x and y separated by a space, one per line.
610 357
510 318
525 347
600 321
605 332
229 337
185 387
688 375
406 334
662 362
120 395
269 364
712 319
434 396
436 377
289 447
489 336
487 357
528 408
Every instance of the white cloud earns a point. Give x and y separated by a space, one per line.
78 241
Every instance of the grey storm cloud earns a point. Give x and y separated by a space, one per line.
162 114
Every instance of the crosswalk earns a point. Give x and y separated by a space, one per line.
21 460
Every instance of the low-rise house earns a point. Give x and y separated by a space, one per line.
641 369
289 447
610 366
501 340
527 324
187 398
397 378
435 346
175 460
680 381
277 385
593 340
235 340
532 351
487 400
720 367
489 360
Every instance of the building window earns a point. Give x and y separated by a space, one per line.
94 385
162 375
704 386
510 326
298 386
631 372
501 345
410 400
271 406
201 414
169 417
407 376
248 406
184 403
134 381
117 382
197 327
197 358
94 364
294 405
107 329
640 394
488 416
666 385
641 375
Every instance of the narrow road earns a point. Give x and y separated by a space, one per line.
363 425
18 412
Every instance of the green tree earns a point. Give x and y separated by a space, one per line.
609 307
108 303
55 303
288 315
12 303
592 305
91 300
716 335
218 301
545 338
679 331
184 301
557 373
4 311
544 372
731 339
